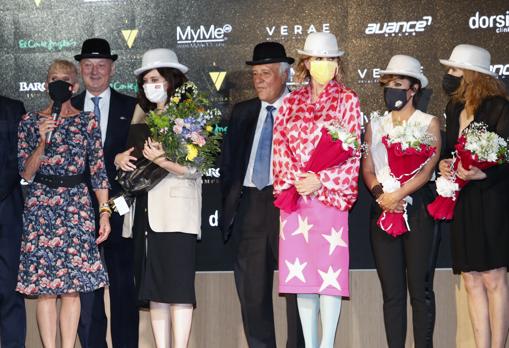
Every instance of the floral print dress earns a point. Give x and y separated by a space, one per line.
58 250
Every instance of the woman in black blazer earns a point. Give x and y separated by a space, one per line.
480 229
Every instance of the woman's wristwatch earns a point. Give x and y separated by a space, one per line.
377 190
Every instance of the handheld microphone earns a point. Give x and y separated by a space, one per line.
55 112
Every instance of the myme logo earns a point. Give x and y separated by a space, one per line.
130 36
399 28
218 78
202 34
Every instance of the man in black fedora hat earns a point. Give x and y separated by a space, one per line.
114 111
248 214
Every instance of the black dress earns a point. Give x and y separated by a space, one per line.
164 261
480 229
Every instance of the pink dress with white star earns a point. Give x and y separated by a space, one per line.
313 241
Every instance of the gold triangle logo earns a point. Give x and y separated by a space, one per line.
130 36
218 78
37 2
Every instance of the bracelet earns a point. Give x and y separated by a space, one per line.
105 212
104 208
377 190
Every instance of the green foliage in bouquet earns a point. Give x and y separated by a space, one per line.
185 128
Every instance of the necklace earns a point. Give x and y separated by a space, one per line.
398 121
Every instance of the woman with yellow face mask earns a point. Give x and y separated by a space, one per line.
313 242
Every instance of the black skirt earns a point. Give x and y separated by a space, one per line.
480 229
164 262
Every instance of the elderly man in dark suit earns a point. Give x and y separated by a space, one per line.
114 111
248 212
12 305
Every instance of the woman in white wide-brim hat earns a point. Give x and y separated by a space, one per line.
404 261
167 219
313 244
480 229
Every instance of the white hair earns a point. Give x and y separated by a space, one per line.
284 67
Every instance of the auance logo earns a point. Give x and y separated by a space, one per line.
203 35
399 28
500 69
130 36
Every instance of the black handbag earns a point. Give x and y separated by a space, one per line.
146 175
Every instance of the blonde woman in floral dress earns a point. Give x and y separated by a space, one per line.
59 254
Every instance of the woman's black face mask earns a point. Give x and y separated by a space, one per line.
451 83
60 91
395 98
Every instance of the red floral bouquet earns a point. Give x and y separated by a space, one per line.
409 148
477 147
336 145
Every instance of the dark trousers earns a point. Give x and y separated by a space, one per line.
119 258
12 304
407 261
256 236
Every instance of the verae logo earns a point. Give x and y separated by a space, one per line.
368 75
284 31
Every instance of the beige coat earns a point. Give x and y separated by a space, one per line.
174 205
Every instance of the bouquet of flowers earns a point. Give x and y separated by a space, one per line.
185 128
336 145
409 147
476 147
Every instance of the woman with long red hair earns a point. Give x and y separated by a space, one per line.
480 229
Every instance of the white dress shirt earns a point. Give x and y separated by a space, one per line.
259 125
104 106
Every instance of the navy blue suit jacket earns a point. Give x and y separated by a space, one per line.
11 206
119 119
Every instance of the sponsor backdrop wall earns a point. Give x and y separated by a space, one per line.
215 38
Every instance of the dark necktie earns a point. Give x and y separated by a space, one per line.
261 167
